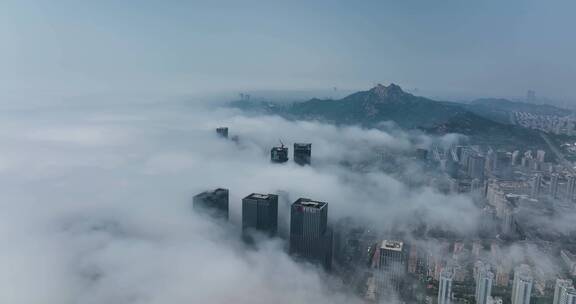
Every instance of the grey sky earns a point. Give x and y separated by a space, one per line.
468 48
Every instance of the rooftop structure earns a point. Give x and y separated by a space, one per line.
306 202
392 245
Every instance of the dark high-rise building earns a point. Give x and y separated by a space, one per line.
222 131
392 266
476 165
310 237
302 153
260 213
502 163
279 154
214 203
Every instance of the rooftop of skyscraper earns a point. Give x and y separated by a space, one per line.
392 245
306 202
212 192
302 145
258 196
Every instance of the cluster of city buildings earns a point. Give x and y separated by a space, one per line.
310 237
439 269
279 154
548 123
506 181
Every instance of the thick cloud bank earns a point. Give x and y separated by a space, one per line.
95 204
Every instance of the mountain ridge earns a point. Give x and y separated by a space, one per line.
390 103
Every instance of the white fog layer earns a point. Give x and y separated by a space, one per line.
96 204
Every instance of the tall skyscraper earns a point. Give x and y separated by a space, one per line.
502 163
484 279
516 158
522 286
310 237
214 203
392 266
536 182
490 161
279 154
554 180
260 213
476 165
465 157
562 285
222 131
508 221
445 286
541 155
302 153
571 188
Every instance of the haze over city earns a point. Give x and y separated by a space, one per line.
258 152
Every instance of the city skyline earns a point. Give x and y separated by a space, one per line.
379 152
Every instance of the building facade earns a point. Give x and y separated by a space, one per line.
522 286
214 203
484 280
560 290
222 131
392 266
310 236
302 153
260 213
445 286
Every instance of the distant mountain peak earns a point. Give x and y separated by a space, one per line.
390 93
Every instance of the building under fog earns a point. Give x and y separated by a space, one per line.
476 165
260 213
222 131
214 203
522 285
310 236
561 290
279 154
484 280
302 153
392 267
445 286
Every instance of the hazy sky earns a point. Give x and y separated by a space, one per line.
488 48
